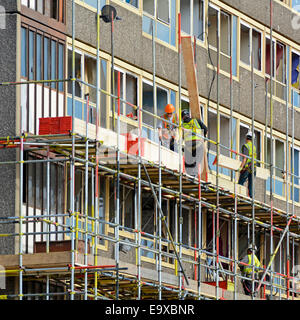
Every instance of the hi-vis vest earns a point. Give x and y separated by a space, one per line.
169 128
196 133
248 145
174 120
248 269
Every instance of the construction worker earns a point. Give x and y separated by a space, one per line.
246 166
193 142
167 131
245 266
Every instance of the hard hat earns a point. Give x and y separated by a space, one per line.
252 247
184 113
250 134
169 108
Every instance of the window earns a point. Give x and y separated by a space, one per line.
163 15
127 207
86 70
128 92
35 195
37 5
57 10
295 79
250 40
148 6
38 57
24 52
31 55
93 3
46 59
279 186
187 226
42 59
53 63
278 67
296 5
225 24
192 17
90 76
294 193
243 132
163 11
134 3
163 97
78 72
245 44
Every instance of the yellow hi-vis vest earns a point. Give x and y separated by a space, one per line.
248 269
194 126
248 145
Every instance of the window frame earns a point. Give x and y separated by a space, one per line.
125 72
251 28
191 24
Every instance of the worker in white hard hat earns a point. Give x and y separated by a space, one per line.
246 166
245 266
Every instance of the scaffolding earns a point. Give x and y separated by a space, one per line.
84 271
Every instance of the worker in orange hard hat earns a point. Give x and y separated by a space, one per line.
167 130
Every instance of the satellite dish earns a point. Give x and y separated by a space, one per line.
108 12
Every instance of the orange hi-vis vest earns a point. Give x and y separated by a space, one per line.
169 126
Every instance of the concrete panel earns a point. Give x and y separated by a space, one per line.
8 127
10 5
260 11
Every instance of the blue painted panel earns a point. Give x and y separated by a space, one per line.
147 24
162 32
173 22
24 52
234 45
279 187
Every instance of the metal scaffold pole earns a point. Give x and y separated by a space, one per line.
252 168
217 233
181 158
117 244
287 175
271 140
72 173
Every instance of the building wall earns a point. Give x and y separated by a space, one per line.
8 120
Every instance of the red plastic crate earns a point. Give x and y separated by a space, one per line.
222 284
55 125
65 125
132 145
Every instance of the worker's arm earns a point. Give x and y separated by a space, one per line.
246 153
203 127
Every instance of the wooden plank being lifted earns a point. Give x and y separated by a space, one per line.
191 78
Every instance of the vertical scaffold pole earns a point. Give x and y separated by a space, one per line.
72 174
287 176
159 225
217 234
138 221
86 208
252 166
180 152
95 199
21 168
48 215
271 141
199 231
117 228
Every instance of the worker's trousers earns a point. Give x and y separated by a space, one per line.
169 143
244 175
247 285
193 155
